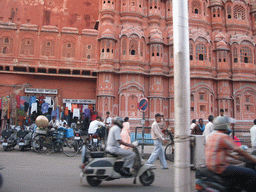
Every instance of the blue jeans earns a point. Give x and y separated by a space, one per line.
158 152
243 177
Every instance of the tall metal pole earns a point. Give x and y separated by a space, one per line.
143 133
181 96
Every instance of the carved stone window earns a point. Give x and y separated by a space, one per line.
196 7
191 51
133 45
246 55
68 49
235 56
27 47
48 48
201 52
239 12
229 12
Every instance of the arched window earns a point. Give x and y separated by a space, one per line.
246 55
196 7
6 40
214 12
133 45
235 56
210 53
141 47
229 12
218 12
239 12
201 52
69 49
124 45
191 51
4 50
158 50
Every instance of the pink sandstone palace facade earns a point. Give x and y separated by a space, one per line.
115 52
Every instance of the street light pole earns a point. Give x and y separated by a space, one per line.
181 96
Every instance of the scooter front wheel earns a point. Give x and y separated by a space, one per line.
147 178
93 181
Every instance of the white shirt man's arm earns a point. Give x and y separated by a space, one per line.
157 132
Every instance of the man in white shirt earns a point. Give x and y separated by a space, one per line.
193 124
157 136
94 125
62 121
54 123
108 120
253 134
208 127
113 146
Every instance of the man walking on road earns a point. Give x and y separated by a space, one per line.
157 136
208 127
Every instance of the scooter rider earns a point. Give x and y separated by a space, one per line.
113 146
216 152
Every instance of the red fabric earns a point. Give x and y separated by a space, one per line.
93 117
41 100
18 101
66 111
237 141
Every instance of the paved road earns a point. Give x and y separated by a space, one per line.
31 172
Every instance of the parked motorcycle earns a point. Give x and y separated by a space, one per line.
9 137
48 139
24 138
107 168
78 139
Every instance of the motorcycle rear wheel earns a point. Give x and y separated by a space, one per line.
93 181
5 148
70 147
147 178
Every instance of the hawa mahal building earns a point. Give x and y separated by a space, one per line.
112 53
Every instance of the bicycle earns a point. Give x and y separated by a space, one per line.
169 149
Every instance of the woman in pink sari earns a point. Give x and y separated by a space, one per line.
125 133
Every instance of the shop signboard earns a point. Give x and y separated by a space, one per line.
80 101
42 91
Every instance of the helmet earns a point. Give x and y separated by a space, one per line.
221 123
118 121
42 121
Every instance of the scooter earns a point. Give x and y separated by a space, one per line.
107 168
24 138
208 181
9 139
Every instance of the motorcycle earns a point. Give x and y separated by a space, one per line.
58 138
9 138
78 139
108 168
24 138
208 181
49 139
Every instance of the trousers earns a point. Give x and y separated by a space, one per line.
158 152
127 155
244 177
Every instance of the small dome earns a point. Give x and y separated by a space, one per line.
156 35
107 33
220 36
216 2
221 45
